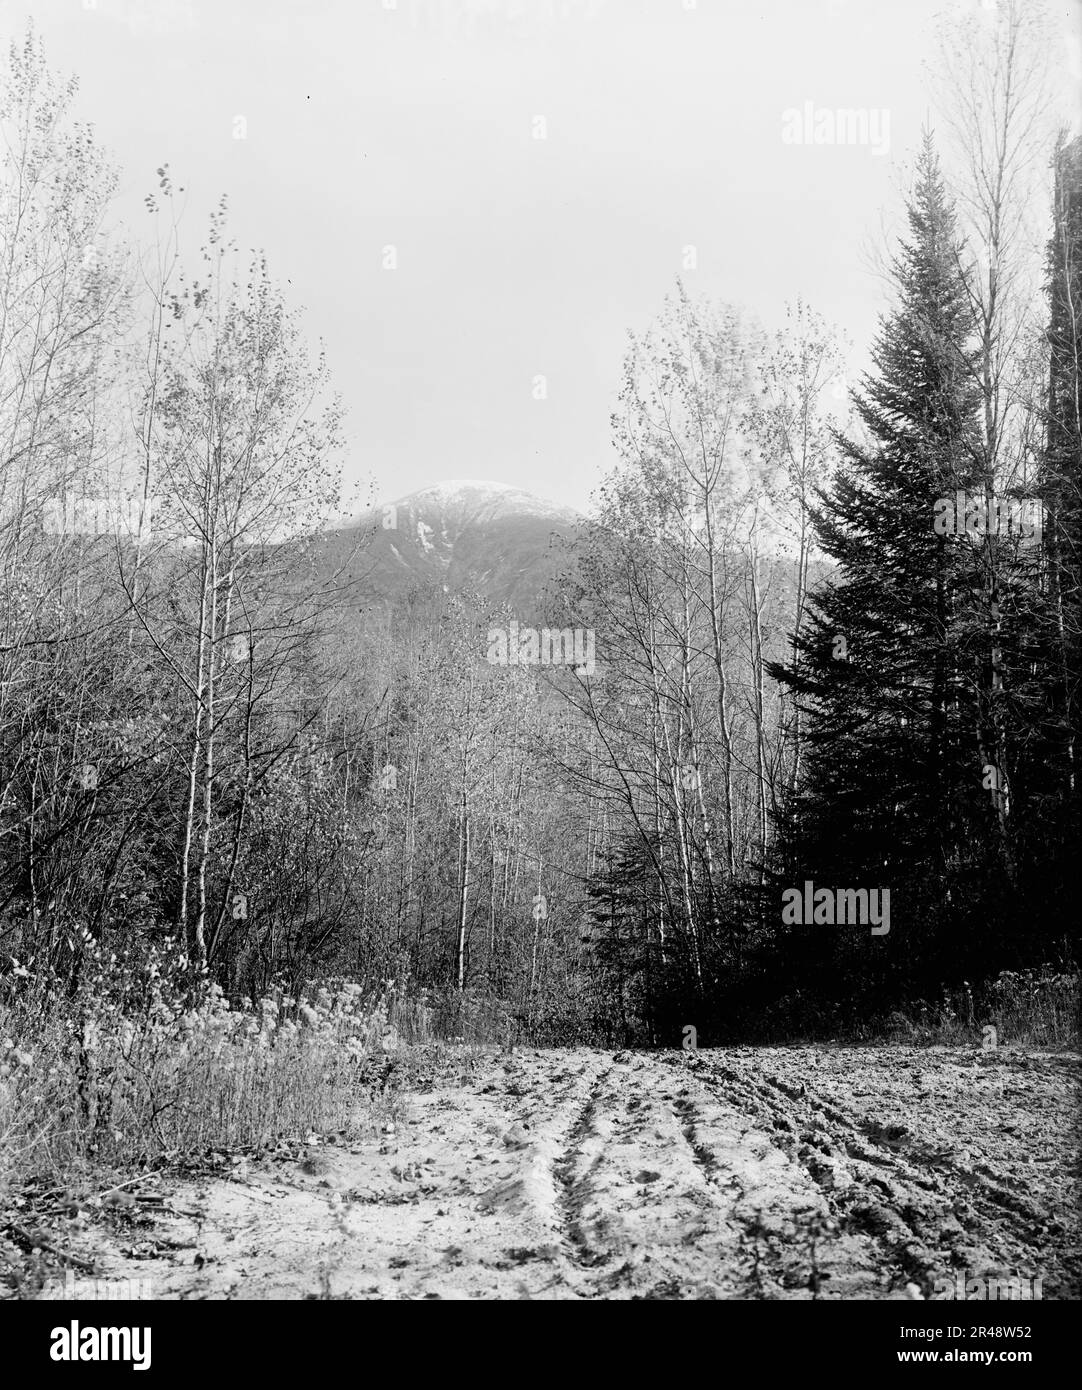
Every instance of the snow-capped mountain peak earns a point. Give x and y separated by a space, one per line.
492 537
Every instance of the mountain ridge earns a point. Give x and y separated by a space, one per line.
493 538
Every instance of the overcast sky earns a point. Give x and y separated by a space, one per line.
369 124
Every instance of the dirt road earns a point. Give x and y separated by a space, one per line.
795 1173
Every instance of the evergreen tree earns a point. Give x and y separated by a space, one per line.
1060 478
1062 465
895 793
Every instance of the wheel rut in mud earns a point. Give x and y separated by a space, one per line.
738 1173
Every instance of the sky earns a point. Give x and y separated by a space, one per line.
474 201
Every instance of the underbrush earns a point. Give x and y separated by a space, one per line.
132 1066
1036 1008
1019 1008
129 1065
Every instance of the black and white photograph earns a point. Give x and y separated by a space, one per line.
540 636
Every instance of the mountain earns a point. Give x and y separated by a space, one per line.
489 537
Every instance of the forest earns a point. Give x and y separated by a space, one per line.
817 644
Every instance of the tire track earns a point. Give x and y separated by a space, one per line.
792 1245
644 1219
572 1173
930 1215
580 1174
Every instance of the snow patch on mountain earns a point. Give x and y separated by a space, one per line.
443 508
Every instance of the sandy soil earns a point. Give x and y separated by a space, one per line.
790 1173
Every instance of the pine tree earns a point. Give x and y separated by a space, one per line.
1060 480
885 672
1062 464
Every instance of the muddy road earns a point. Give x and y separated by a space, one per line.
790 1173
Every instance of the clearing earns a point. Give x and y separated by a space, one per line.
764 1173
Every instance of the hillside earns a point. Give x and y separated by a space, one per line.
498 541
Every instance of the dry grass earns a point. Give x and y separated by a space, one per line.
130 1069
1028 1008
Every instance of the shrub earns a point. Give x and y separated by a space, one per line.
132 1063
